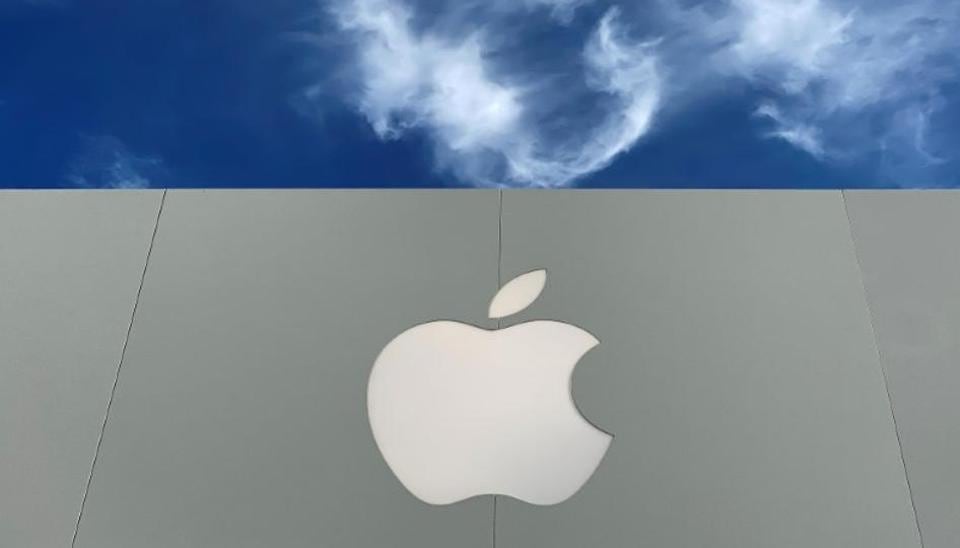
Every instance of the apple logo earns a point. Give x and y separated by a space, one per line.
459 411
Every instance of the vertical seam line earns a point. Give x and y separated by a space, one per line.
116 377
880 359
499 240
499 283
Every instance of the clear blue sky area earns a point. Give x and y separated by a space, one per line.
463 93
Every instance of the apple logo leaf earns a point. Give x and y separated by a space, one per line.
517 294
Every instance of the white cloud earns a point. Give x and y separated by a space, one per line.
859 54
837 79
803 136
627 74
836 67
907 155
485 128
105 162
799 40
411 81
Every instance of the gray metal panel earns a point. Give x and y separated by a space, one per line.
908 246
737 369
70 266
240 417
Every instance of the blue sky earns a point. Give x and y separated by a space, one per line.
462 93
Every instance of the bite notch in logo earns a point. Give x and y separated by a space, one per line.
459 411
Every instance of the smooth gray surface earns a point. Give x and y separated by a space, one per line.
908 245
240 414
70 266
737 369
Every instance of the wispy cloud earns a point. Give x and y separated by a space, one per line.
841 76
837 79
105 161
487 127
803 136
410 80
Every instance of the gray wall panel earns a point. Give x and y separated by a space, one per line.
70 266
908 246
240 418
737 365
737 369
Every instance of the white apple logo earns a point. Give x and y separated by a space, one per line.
459 411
